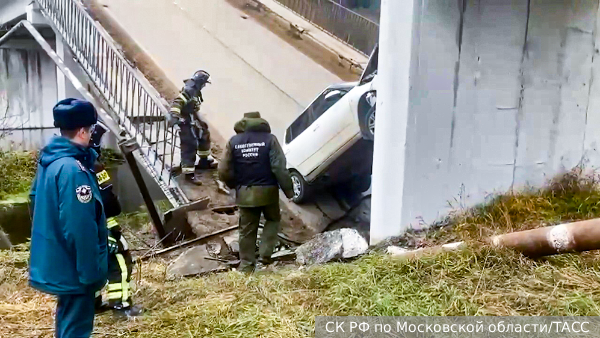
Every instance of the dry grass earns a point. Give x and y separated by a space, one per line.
285 303
478 281
17 169
570 197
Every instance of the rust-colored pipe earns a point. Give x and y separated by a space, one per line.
568 237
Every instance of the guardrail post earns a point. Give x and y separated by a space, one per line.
128 147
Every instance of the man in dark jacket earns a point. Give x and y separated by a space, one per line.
254 164
69 235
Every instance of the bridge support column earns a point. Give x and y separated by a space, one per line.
393 89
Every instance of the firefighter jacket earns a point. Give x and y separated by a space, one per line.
112 208
188 102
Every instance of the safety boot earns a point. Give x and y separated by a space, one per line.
100 306
190 175
193 179
129 311
207 163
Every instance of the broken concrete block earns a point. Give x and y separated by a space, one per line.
287 254
213 248
395 250
328 246
353 243
192 262
321 249
234 247
233 242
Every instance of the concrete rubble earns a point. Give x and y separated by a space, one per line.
332 245
192 262
4 241
233 242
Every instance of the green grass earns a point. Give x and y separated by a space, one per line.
17 170
476 281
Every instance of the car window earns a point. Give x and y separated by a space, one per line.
297 127
304 120
328 99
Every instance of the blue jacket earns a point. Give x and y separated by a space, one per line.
69 235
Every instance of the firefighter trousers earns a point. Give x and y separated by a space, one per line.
191 144
120 267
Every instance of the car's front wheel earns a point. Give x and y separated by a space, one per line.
301 188
368 124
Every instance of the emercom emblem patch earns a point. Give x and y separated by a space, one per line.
84 193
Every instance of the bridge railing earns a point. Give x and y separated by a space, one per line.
341 22
136 105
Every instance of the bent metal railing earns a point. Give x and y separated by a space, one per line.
339 21
134 103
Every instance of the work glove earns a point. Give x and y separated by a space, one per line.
173 120
289 194
113 247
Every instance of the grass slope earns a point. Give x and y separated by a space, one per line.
477 281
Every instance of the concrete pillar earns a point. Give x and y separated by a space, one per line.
393 87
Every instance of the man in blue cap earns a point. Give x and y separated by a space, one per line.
69 235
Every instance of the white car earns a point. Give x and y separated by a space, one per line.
331 142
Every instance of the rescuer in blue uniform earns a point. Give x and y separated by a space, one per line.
69 235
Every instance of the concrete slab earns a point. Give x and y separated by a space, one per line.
192 262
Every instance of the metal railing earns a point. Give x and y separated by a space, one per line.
134 103
339 21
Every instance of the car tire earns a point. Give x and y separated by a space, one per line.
301 188
368 124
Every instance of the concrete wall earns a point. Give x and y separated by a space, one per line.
29 88
27 94
502 96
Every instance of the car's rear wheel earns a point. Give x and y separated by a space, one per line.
368 124
301 188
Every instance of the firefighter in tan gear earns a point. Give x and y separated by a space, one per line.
120 262
195 136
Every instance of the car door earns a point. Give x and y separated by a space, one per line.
299 143
331 118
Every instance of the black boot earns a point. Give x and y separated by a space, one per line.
129 311
206 163
100 306
192 178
